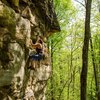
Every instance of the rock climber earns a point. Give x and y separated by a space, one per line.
38 55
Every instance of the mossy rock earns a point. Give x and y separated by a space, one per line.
14 3
5 2
7 18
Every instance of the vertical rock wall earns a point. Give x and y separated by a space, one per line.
21 20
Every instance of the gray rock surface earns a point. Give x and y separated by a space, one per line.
20 21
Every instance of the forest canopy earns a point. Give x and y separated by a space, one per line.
75 51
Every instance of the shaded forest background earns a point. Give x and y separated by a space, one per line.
66 48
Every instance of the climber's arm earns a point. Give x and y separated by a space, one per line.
36 45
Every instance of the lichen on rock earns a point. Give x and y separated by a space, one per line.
7 18
17 82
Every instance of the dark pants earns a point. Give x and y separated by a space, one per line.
36 57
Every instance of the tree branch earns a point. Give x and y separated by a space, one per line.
81 3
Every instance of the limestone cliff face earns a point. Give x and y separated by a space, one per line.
21 20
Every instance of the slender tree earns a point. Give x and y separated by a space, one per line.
52 93
83 78
95 70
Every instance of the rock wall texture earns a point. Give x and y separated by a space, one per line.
21 20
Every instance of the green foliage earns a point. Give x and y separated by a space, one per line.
66 52
64 9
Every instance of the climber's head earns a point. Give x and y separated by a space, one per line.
40 39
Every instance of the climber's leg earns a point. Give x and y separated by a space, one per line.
35 60
33 64
39 63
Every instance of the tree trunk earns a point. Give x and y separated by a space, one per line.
52 91
83 78
95 71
